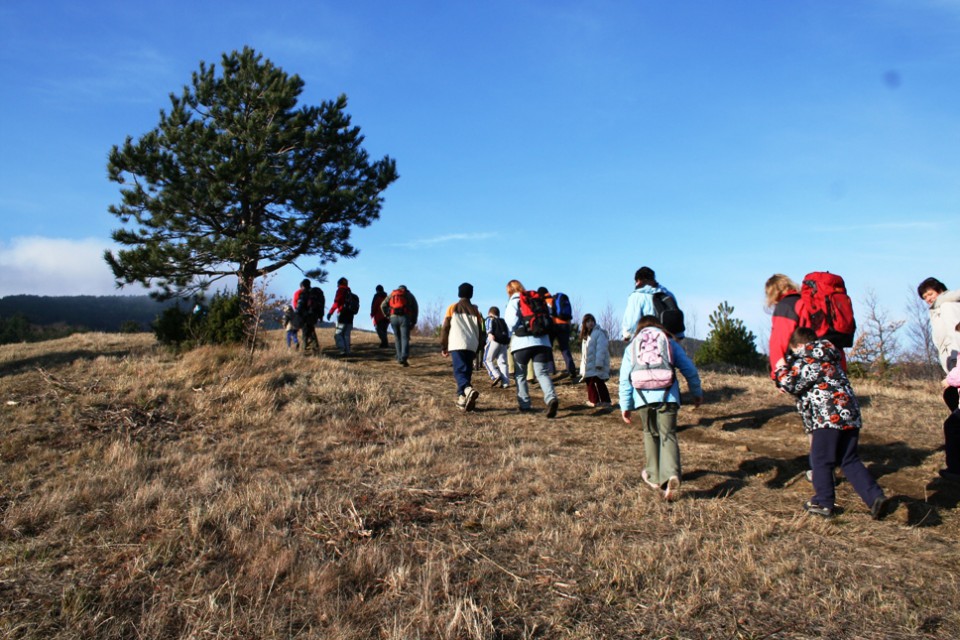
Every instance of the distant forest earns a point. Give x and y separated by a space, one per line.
94 313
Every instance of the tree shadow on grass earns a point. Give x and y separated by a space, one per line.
884 459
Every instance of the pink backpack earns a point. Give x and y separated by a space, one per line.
652 360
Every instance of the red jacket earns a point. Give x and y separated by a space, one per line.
785 321
339 299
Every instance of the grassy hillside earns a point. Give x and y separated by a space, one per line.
144 495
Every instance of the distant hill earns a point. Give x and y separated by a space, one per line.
97 313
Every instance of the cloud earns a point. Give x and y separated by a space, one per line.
452 237
57 266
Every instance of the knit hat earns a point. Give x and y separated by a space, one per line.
465 290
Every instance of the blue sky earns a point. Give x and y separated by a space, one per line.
562 143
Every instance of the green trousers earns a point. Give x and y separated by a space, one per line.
660 440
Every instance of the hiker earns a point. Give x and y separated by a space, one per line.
782 296
495 350
944 318
380 320
308 302
344 308
401 307
811 371
649 298
461 338
595 361
291 324
528 319
561 312
650 388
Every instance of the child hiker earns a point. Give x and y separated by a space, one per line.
495 351
291 323
461 339
594 361
951 426
811 371
649 388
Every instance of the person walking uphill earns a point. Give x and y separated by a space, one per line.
651 299
811 371
561 313
380 320
782 296
401 307
308 303
649 387
595 361
944 318
345 306
529 322
461 338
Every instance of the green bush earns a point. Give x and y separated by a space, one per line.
221 323
729 342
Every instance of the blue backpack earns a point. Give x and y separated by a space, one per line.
561 307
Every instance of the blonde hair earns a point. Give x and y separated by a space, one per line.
513 287
777 285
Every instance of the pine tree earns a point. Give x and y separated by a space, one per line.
729 341
237 180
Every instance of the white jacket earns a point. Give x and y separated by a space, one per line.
944 316
595 355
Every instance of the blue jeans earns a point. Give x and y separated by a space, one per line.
462 368
401 336
542 358
342 336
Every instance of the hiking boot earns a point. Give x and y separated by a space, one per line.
462 402
672 490
525 409
404 363
817 510
552 408
879 508
646 478
505 385
471 398
949 475
494 382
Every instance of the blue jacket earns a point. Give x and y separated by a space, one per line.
512 316
639 304
631 398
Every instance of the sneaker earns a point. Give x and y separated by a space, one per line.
949 475
552 408
505 385
462 403
404 363
646 478
591 404
673 489
809 475
494 382
817 510
472 395
879 508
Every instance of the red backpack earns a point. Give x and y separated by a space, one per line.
826 308
534 315
398 302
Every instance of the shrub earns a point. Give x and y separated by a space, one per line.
729 342
221 323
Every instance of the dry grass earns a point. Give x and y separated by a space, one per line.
144 495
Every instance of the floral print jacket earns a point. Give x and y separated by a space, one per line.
825 398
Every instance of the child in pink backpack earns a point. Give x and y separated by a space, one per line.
657 408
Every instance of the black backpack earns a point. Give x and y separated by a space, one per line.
668 313
351 306
312 308
498 327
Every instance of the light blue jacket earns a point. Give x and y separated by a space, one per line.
512 316
631 398
639 304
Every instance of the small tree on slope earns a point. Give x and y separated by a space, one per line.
238 181
729 341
